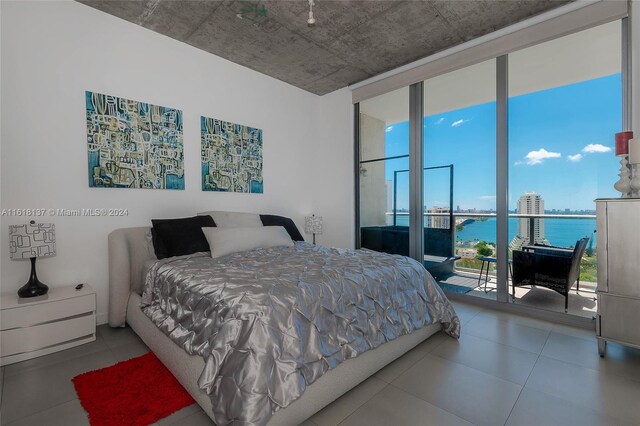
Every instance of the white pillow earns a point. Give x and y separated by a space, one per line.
234 219
223 241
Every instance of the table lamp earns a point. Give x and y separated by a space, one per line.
313 225
31 241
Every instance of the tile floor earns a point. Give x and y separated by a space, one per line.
504 370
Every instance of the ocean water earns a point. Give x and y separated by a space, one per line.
559 232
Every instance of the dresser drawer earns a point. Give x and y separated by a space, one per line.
28 339
619 318
29 315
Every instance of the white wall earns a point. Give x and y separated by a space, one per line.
332 165
53 51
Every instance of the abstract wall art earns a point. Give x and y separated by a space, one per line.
133 144
231 157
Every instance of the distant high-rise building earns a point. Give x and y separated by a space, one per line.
389 187
529 203
441 222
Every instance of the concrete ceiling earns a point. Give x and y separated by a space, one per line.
352 40
574 58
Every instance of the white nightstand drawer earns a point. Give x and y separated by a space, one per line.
31 315
63 318
30 339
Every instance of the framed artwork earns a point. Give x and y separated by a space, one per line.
231 156
133 144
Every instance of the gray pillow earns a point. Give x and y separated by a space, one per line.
234 219
223 241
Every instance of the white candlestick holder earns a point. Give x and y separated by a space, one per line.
634 165
623 185
635 181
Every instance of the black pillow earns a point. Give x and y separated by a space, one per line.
177 237
288 224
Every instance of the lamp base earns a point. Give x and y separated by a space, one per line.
33 287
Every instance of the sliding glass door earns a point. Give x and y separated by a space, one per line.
565 105
460 179
383 173
512 152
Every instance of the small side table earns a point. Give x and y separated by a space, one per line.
489 260
36 326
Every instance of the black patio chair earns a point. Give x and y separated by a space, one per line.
555 268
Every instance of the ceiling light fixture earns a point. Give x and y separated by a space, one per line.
311 21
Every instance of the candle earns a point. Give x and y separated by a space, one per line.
622 143
634 151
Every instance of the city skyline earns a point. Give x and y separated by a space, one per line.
560 146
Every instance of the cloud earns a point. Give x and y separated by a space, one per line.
458 123
440 120
388 129
592 148
487 197
595 147
538 157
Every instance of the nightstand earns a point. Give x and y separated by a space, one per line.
36 326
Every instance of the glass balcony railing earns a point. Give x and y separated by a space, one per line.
473 238
474 235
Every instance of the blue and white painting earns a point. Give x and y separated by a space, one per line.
231 157
133 144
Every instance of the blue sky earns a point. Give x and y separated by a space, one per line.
560 145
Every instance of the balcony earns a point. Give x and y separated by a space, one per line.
463 276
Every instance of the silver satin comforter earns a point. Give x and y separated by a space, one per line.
269 322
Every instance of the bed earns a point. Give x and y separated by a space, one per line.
132 261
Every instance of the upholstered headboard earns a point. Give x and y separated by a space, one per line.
129 249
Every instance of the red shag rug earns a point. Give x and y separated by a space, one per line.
136 392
